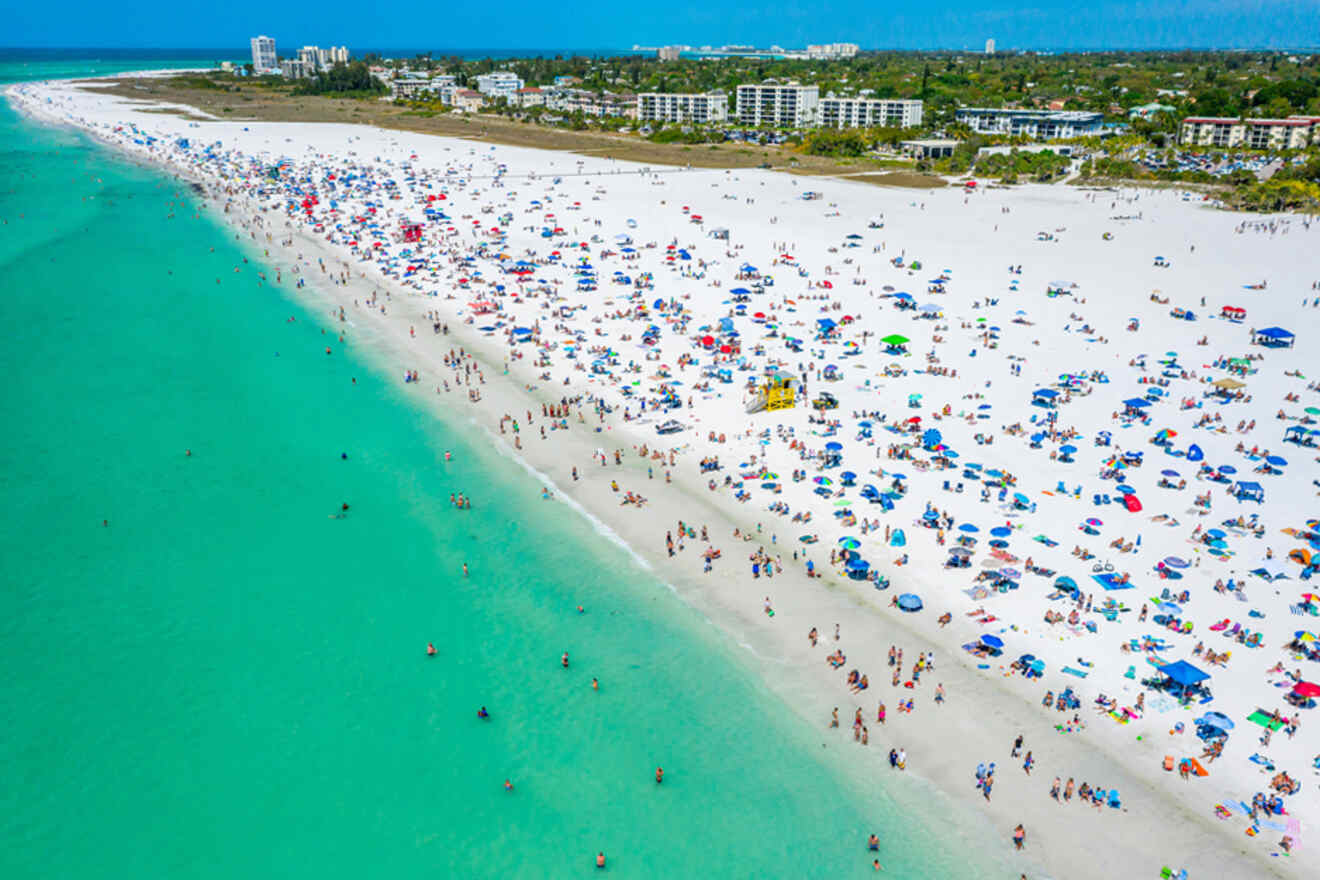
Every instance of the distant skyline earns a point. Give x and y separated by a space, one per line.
903 24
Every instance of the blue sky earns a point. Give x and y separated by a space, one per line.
901 24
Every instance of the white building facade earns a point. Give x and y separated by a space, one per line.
1293 133
783 105
696 108
1038 124
263 55
869 112
499 84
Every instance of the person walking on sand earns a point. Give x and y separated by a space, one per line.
1019 836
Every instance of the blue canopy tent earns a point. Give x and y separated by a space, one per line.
1195 453
1044 397
1183 675
1248 491
1135 406
857 568
1274 337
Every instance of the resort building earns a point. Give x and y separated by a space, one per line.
1293 133
931 148
669 53
1038 124
832 51
499 84
467 100
785 105
294 68
529 97
263 55
409 88
869 112
698 108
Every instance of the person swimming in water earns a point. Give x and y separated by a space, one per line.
659 775
600 860
482 713
564 660
430 650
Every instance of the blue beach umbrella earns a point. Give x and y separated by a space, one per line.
909 602
992 641
968 527
1001 531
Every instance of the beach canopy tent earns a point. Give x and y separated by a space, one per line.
1228 384
1275 337
909 602
992 641
1183 675
1135 405
1249 491
1217 721
1044 397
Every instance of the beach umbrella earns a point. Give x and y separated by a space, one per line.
1168 472
1306 689
1228 469
909 602
858 564
1175 562
1275 460
960 551
1001 531
834 446
992 641
1020 498
968 527
1215 533
848 475
1094 522
894 339
1125 489
1215 719
1195 453
1171 608
849 543
1037 437
998 543
1065 582
821 481
1067 449
1312 410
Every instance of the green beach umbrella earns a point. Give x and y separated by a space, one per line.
849 543
1312 410
894 339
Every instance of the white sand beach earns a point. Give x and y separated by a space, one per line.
1039 355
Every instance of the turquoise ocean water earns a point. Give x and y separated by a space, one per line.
226 681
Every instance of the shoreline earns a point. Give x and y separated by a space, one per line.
735 609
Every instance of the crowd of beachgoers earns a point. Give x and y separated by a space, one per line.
1067 438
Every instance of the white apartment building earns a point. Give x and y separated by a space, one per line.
338 54
831 51
669 53
410 87
316 58
1293 133
1038 124
787 105
838 112
499 84
263 55
530 97
697 108
294 68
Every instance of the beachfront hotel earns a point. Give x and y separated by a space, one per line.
499 84
1293 133
1037 124
263 55
788 105
698 108
838 112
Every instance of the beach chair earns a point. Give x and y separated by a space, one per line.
1237 628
